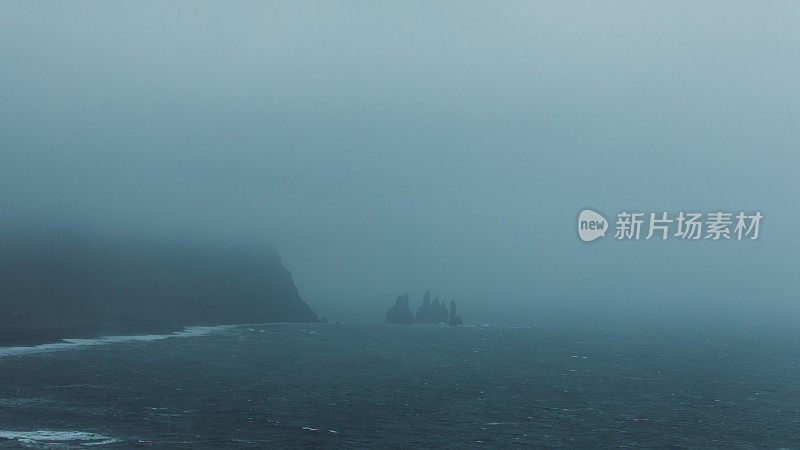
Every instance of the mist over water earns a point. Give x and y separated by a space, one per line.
391 147
424 386
154 155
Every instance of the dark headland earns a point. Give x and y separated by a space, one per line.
430 311
66 286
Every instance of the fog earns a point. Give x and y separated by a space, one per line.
391 147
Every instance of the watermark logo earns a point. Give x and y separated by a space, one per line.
692 226
591 225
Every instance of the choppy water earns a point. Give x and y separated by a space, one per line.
417 386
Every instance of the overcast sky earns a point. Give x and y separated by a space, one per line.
391 147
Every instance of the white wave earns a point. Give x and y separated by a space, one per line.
45 437
77 343
106 442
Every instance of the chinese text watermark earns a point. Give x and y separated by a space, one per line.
715 225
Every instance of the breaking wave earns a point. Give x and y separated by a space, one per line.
50 438
68 344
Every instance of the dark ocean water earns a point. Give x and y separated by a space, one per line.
411 386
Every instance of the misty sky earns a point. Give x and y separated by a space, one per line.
391 147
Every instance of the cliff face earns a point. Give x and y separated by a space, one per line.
65 286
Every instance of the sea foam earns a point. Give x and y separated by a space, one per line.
68 344
49 437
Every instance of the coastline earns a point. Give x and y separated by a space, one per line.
67 334
20 335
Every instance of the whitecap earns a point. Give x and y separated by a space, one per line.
45 437
77 343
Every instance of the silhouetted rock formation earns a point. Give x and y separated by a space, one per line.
454 319
400 312
62 286
431 312
439 311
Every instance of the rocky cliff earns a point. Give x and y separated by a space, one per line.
55 287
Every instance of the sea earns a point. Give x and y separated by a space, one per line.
407 386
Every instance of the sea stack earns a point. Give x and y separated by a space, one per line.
454 319
429 312
434 312
400 312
